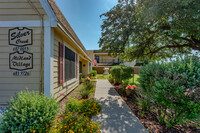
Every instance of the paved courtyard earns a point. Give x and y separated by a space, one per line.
116 116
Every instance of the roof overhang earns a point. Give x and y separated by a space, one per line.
71 38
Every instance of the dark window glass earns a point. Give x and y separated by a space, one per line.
97 58
69 64
80 67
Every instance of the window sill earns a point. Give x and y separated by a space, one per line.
70 82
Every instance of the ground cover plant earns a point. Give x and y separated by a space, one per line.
29 111
77 117
77 114
73 122
87 107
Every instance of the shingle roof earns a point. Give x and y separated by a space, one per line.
61 18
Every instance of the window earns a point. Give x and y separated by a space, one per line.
69 64
97 58
80 67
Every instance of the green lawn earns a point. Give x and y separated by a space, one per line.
136 76
102 76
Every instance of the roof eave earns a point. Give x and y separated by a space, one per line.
71 38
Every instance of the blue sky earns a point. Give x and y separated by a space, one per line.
83 16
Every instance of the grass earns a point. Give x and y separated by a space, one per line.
136 76
102 76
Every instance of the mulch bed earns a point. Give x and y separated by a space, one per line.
149 119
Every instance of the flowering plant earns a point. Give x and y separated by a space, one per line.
87 79
131 87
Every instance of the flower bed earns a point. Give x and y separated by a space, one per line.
150 121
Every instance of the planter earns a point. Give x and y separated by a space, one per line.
128 92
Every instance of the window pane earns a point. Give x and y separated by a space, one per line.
69 64
80 67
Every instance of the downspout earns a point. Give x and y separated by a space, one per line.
41 90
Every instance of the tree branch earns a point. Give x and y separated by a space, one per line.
169 46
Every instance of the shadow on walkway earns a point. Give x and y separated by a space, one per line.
116 116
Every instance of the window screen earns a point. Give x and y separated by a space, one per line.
69 64
80 67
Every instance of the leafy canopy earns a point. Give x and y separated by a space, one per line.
151 28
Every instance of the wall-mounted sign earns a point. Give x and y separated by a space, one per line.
20 36
21 61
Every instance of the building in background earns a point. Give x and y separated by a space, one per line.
102 60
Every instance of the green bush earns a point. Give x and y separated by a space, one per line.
93 72
73 122
87 107
27 111
121 72
111 79
174 89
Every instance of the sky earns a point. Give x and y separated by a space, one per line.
84 18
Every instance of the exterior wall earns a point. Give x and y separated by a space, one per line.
85 66
19 10
91 54
60 91
9 84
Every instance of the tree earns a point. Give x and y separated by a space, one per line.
151 28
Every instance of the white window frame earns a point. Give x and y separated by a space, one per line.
65 83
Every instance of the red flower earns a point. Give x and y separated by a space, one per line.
87 78
131 87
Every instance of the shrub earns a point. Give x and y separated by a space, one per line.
90 108
93 72
82 80
73 122
86 90
111 79
29 110
86 107
173 88
121 72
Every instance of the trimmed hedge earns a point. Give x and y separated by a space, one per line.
121 72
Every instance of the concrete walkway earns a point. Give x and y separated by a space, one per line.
116 116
